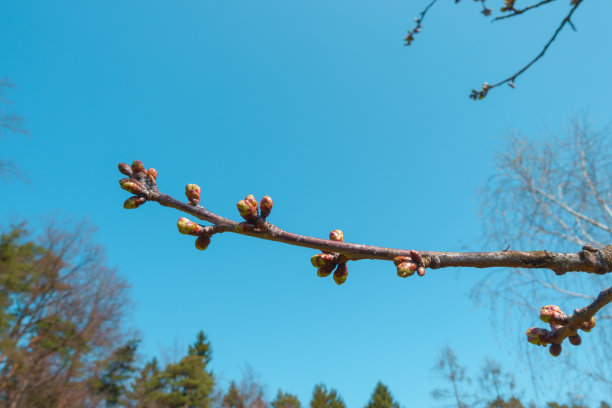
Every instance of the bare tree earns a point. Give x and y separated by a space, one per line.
10 122
60 315
552 194
448 368
507 10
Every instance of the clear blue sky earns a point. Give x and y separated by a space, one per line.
319 105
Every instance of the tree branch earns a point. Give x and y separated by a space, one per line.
521 11
145 187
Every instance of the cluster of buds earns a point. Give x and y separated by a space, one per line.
188 227
410 37
486 11
192 191
508 6
327 262
554 316
140 179
477 95
250 210
407 265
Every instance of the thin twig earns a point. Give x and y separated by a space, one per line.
521 11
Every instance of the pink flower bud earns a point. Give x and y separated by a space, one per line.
416 256
188 227
133 202
265 206
192 191
576 340
247 210
340 274
406 269
323 272
152 173
323 260
124 168
132 186
421 271
138 167
251 199
202 242
555 349
537 336
336 235
552 314
401 259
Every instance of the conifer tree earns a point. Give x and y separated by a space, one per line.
285 400
321 398
382 398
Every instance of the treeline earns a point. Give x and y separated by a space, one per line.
62 344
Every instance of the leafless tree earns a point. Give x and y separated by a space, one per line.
10 122
448 368
63 310
555 194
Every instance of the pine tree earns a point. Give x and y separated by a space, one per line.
286 400
381 398
321 398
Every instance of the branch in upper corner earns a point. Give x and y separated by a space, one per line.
418 20
480 94
509 6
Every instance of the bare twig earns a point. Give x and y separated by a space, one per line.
510 80
418 20
521 11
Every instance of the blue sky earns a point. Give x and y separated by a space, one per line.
319 105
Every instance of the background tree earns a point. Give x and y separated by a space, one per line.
448 368
285 400
322 398
10 122
382 398
249 393
498 385
556 195
61 312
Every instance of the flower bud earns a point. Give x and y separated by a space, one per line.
325 271
202 242
336 235
416 256
555 349
587 326
192 191
152 174
341 273
406 269
401 259
133 202
138 167
265 206
421 271
132 186
552 314
188 227
251 199
576 340
323 260
537 336
124 168
247 210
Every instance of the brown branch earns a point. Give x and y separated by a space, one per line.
145 187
